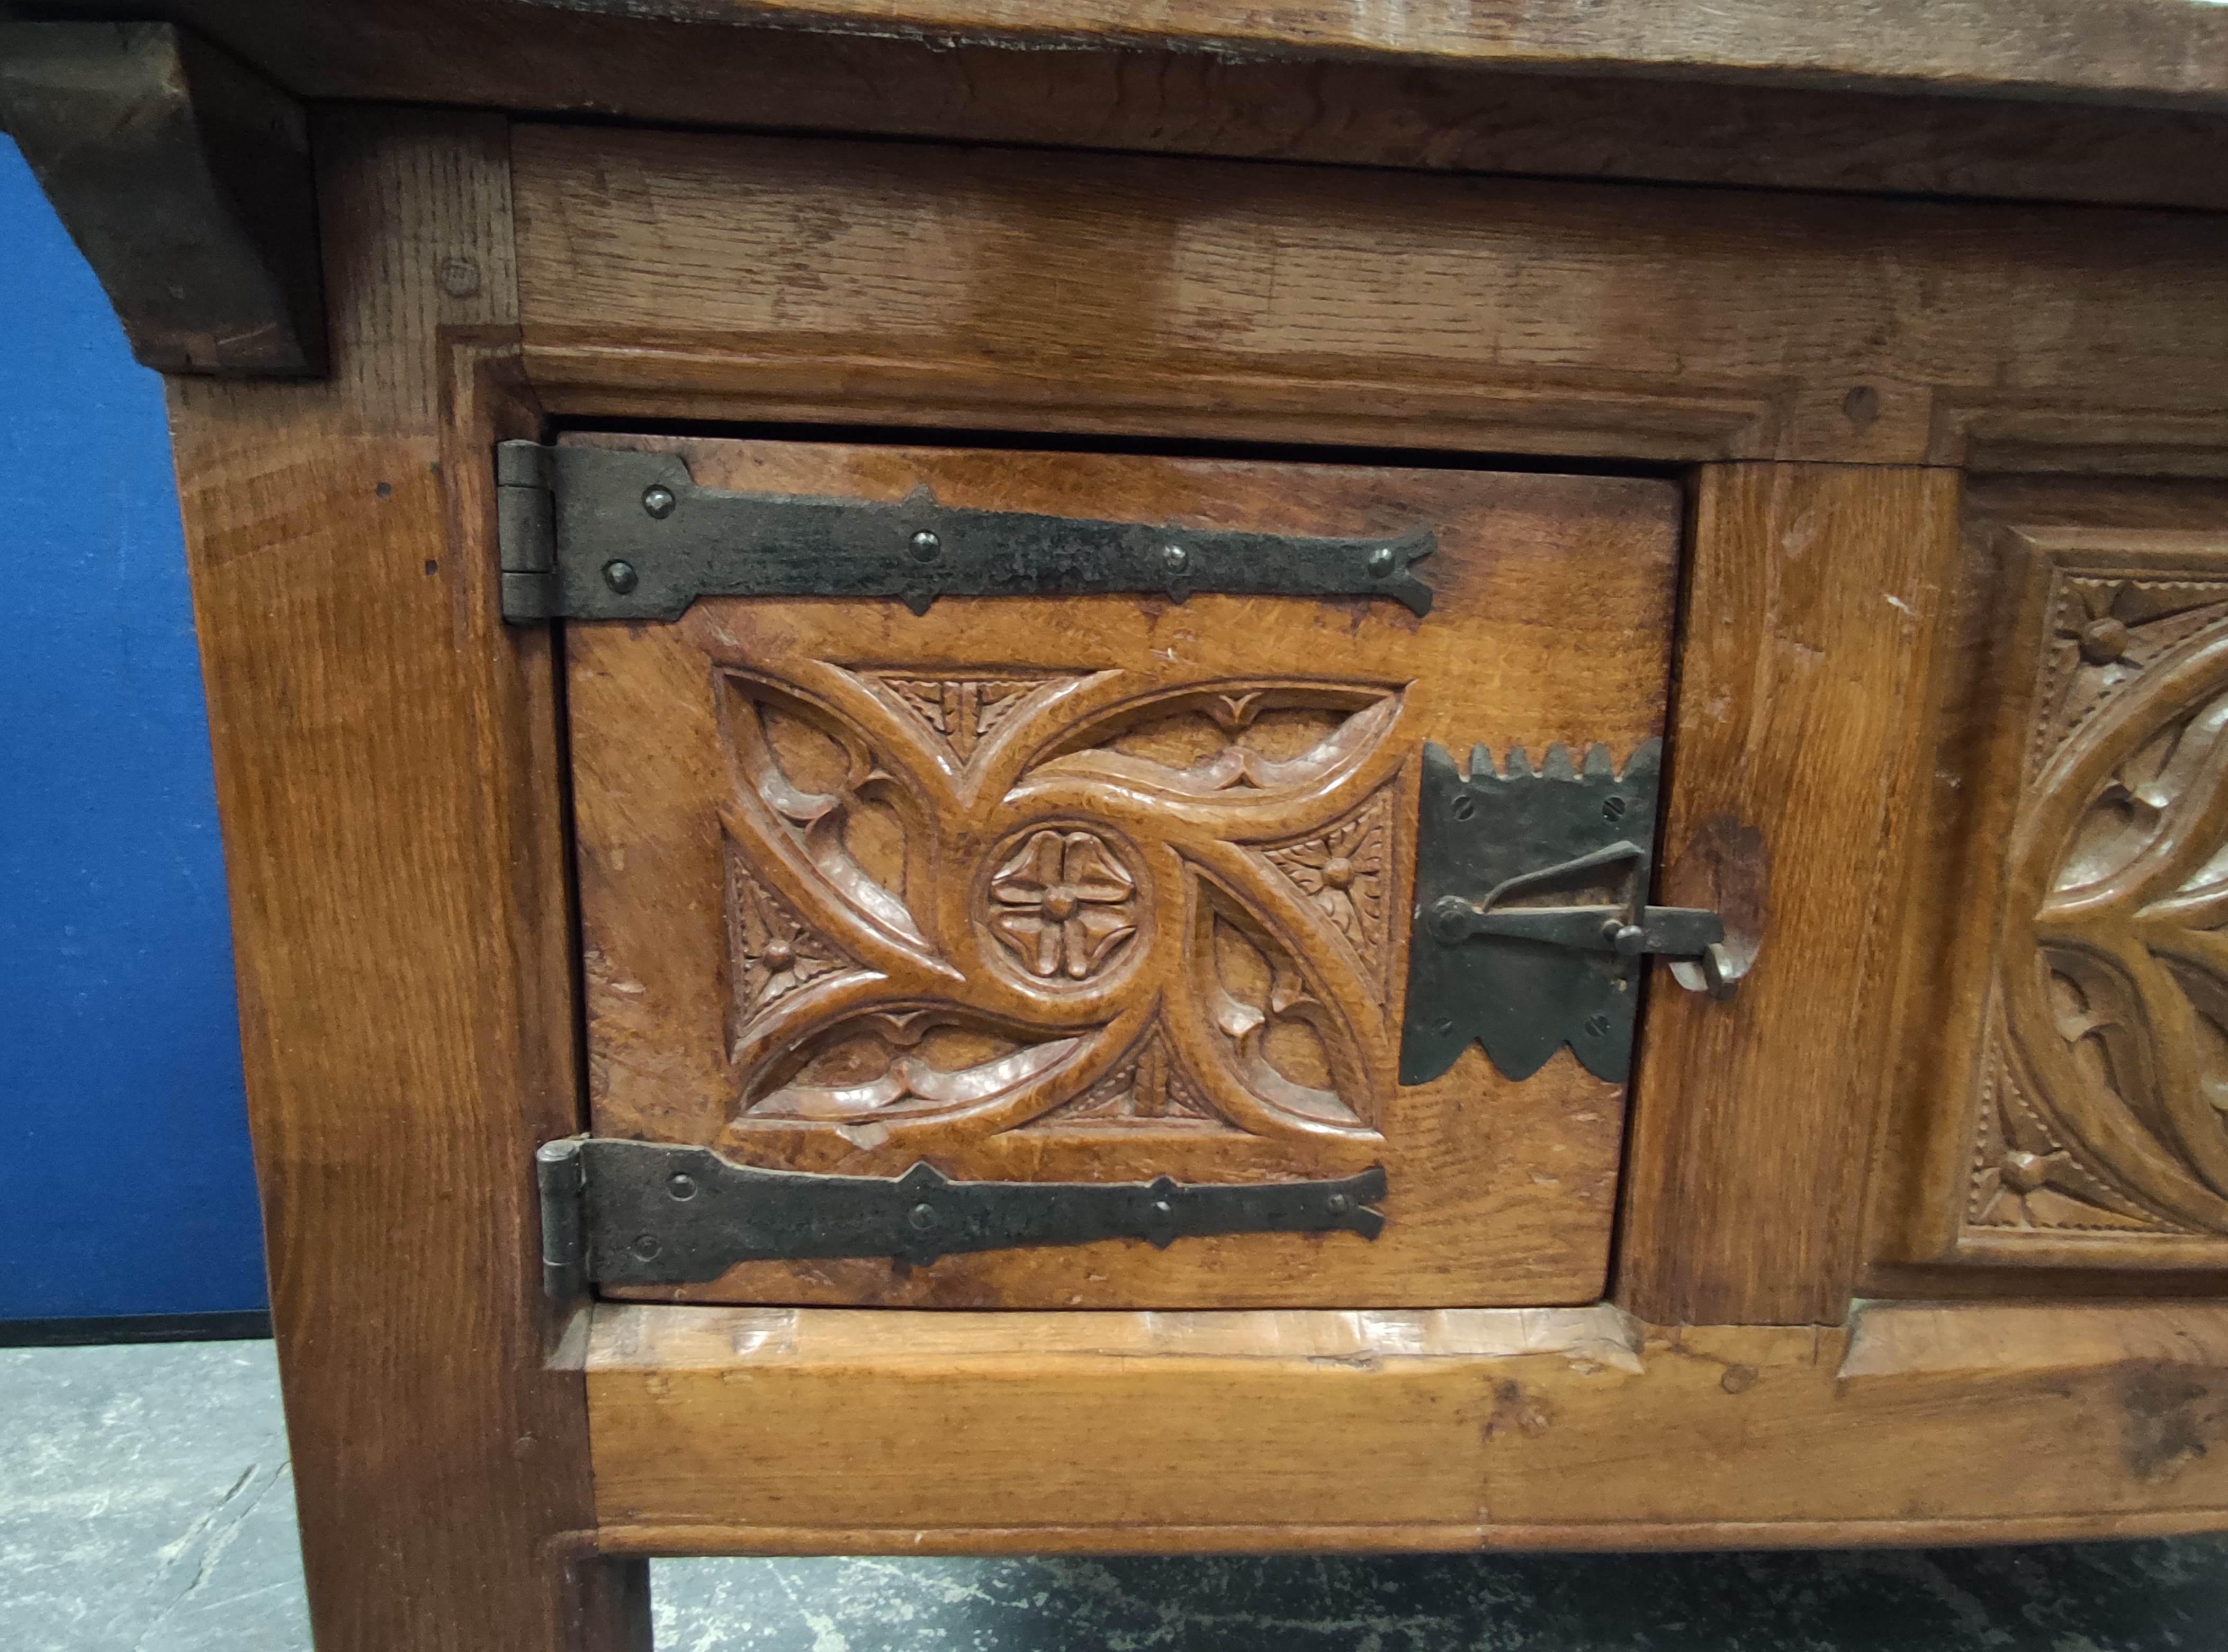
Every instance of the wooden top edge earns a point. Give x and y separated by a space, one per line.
636 1335
2130 51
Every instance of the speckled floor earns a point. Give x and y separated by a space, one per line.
145 1504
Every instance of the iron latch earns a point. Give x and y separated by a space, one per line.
624 1212
603 533
1531 917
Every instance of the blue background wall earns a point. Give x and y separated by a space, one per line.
125 1186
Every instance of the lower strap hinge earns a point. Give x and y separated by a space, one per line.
623 1212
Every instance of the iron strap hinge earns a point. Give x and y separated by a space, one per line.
1495 956
605 533
624 1213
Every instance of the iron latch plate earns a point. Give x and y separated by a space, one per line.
625 1212
600 533
1530 924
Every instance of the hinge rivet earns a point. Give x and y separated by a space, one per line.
924 545
621 577
1176 557
923 1217
680 1185
647 1246
1381 561
657 500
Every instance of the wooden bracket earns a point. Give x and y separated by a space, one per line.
185 180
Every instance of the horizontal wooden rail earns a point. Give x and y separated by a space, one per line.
818 1430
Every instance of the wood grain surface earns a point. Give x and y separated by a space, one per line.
817 1430
2135 49
386 774
1106 889
1352 111
2058 1029
666 275
1799 747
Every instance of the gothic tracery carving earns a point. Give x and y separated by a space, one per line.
960 925
2103 1083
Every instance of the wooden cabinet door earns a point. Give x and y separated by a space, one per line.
1104 888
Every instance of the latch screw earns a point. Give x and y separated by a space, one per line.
657 500
925 546
621 577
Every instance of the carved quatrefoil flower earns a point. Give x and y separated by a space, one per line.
1066 905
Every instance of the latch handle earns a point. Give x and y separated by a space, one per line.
1685 933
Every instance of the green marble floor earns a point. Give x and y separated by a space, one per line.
146 1506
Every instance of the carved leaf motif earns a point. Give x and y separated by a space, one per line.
1346 874
2115 982
911 1063
2023 1176
1146 1088
818 777
965 711
1282 1042
1064 903
2106 632
1248 742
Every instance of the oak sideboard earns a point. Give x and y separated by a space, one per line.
1197 778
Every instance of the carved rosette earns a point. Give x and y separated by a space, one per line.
2103 1081
1029 899
1063 903
773 951
1345 872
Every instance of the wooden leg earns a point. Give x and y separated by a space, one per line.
386 768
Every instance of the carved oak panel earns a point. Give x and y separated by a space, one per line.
1103 888
2093 1006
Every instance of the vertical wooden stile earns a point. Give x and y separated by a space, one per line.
383 751
1800 735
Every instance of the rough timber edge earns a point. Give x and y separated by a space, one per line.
773 1431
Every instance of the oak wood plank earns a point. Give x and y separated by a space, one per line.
819 1429
384 771
665 274
1800 736
2136 50
1352 111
